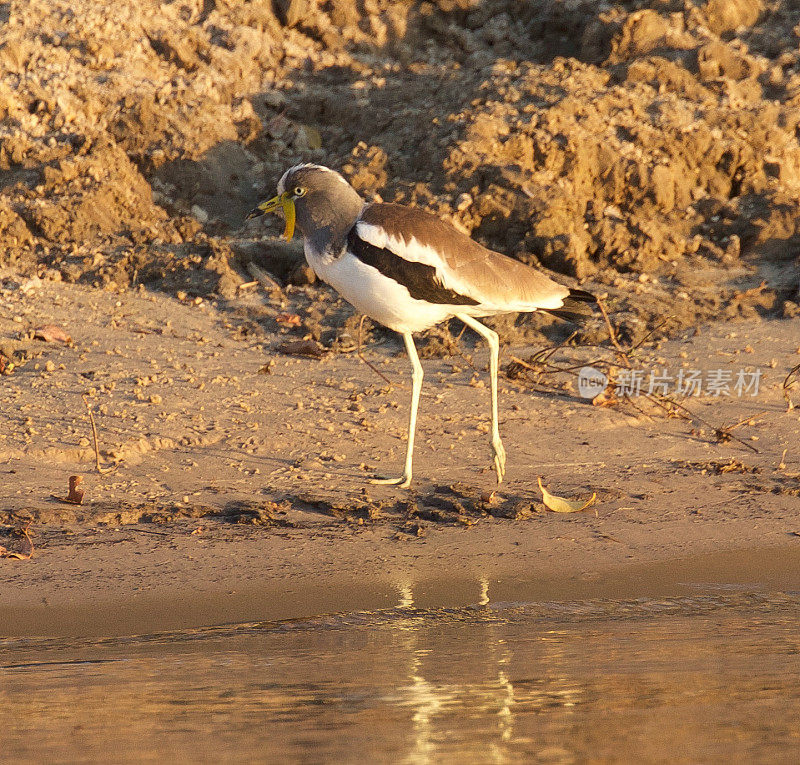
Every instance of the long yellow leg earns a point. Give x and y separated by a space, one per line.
498 452
416 376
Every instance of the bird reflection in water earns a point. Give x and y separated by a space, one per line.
435 697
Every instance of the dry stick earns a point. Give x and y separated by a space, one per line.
364 359
146 531
571 369
611 333
524 364
24 533
541 357
697 418
536 385
650 334
746 419
262 277
454 344
553 368
24 554
787 384
637 407
100 470
548 352
545 354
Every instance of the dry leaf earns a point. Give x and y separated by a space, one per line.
301 348
288 319
51 333
561 505
606 397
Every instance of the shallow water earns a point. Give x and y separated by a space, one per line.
691 679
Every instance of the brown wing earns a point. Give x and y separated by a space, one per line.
462 265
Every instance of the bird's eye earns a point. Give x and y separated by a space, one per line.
299 191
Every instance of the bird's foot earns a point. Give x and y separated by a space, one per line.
499 457
403 482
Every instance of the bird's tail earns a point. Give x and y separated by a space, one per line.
578 306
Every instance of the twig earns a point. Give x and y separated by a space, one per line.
27 550
100 470
639 409
544 355
649 334
788 383
145 531
722 432
454 343
611 333
523 364
364 358
262 277
556 369
541 359
745 420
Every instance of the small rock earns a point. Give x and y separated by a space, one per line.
303 275
463 202
199 213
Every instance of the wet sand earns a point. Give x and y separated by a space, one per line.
302 595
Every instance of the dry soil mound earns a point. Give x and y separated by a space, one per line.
651 147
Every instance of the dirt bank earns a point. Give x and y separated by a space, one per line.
650 147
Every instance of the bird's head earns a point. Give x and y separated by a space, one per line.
314 197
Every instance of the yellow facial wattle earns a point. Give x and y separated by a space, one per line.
290 215
286 202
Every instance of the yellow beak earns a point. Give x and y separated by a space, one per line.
287 203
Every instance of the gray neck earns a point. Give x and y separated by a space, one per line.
325 219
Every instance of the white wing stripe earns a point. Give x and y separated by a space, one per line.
415 252
410 250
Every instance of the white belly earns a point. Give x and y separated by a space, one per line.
376 295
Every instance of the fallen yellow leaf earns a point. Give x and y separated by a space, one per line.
561 505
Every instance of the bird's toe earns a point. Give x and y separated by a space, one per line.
403 482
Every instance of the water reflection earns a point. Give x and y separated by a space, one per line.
491 697
685 679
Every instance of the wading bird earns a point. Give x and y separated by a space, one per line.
409 270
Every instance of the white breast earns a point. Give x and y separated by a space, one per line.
374 294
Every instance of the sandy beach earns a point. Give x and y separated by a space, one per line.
230 494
